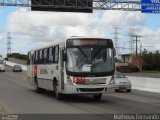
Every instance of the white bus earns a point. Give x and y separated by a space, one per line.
2 66
79 65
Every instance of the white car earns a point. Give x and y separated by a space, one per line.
121 82
17 68
2 66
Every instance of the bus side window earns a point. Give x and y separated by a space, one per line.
45 56
32 59
56 54
41 57
51 55
28 59
36 58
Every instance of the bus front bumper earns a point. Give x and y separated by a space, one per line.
84 89
2 68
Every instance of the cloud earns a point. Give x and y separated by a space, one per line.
2 45
44 27
135 18
150 38
2 36
40 25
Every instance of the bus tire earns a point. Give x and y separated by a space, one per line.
59 96
116 90
128 90
97 96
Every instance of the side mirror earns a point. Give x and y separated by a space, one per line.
114 51
64 55
6 59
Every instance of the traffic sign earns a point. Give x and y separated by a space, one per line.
150 6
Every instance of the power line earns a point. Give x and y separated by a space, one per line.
136 40
8 43
131 33
116 38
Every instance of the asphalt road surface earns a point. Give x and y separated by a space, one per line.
19 98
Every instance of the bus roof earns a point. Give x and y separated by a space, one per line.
63 41
48 45
87 37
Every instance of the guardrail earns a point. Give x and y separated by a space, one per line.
145 84
24 67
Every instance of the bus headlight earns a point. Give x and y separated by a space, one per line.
79 80
76 80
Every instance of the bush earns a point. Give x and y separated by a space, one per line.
18 56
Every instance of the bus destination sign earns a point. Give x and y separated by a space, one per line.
80 42
150 6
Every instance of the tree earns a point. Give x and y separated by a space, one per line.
151 60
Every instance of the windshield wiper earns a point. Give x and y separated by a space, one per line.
97 52
83 53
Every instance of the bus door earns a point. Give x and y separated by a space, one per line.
32 65
61 66
30 68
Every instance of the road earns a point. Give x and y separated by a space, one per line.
15 93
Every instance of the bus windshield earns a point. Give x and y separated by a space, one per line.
90 59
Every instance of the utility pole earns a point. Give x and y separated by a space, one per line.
136 40
141 49
131 33
116 33
8 44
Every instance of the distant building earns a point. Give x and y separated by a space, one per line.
129 63
125 58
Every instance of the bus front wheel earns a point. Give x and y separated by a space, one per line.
59 96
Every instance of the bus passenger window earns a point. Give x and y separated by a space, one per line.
28 59
56 54
36 58
41 57
50 55
45 56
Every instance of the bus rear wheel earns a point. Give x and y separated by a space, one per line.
37 89
97 96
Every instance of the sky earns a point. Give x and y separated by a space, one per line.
30 29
